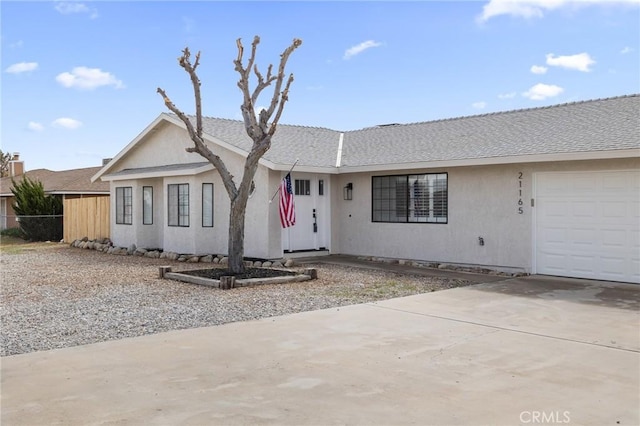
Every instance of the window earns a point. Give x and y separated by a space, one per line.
410 198
147 205
303 187
321 187
124 205
207 204
178 201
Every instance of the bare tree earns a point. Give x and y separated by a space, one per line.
260 129
5 158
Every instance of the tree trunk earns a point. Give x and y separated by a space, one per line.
236 235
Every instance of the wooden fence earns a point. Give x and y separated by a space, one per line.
86 217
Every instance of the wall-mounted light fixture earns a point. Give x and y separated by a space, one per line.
348 191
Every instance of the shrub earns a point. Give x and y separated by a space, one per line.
12 232
40 215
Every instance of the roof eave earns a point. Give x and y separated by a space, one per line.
159 174
535 158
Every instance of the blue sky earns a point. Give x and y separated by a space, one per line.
79 79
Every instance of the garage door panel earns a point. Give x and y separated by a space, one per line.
615 209
587 225
582 264
614 238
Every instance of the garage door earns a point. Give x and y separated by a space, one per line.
587 225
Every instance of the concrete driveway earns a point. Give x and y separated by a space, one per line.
530 350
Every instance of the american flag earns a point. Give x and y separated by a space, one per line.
287 208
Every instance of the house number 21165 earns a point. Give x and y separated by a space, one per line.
520 202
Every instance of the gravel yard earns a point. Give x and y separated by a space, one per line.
58 296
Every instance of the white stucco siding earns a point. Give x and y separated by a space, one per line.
197 239
259 233
478 206
123 235
166 145
482 202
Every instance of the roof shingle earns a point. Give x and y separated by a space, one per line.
586 126
75 181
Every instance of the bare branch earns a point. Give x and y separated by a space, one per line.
283 62
185 63
199 145
283 99
247 108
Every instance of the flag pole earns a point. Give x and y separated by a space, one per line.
278 190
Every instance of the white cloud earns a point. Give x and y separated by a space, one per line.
580 62
359 48
537 8
68 8
626 50
88 78
21 67
538 69
18 44
188 24
479 105
509 95
66 123
542 91
35 126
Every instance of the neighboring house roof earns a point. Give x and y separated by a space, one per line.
76 181
602 128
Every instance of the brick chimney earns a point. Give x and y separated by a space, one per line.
16 166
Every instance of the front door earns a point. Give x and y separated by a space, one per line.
311 199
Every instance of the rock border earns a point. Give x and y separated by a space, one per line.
105 245
447 266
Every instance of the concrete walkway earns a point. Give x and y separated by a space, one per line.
519 351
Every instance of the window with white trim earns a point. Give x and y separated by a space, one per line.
207 205
124 205
147 205
416 198
178 202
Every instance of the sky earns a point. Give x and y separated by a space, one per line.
79 79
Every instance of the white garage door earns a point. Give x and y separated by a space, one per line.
587 225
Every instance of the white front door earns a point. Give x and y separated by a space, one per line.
311 199
588 225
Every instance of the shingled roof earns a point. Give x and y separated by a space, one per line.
587 126
598 125
601 128
75 181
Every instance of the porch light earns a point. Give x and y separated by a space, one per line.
348 191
